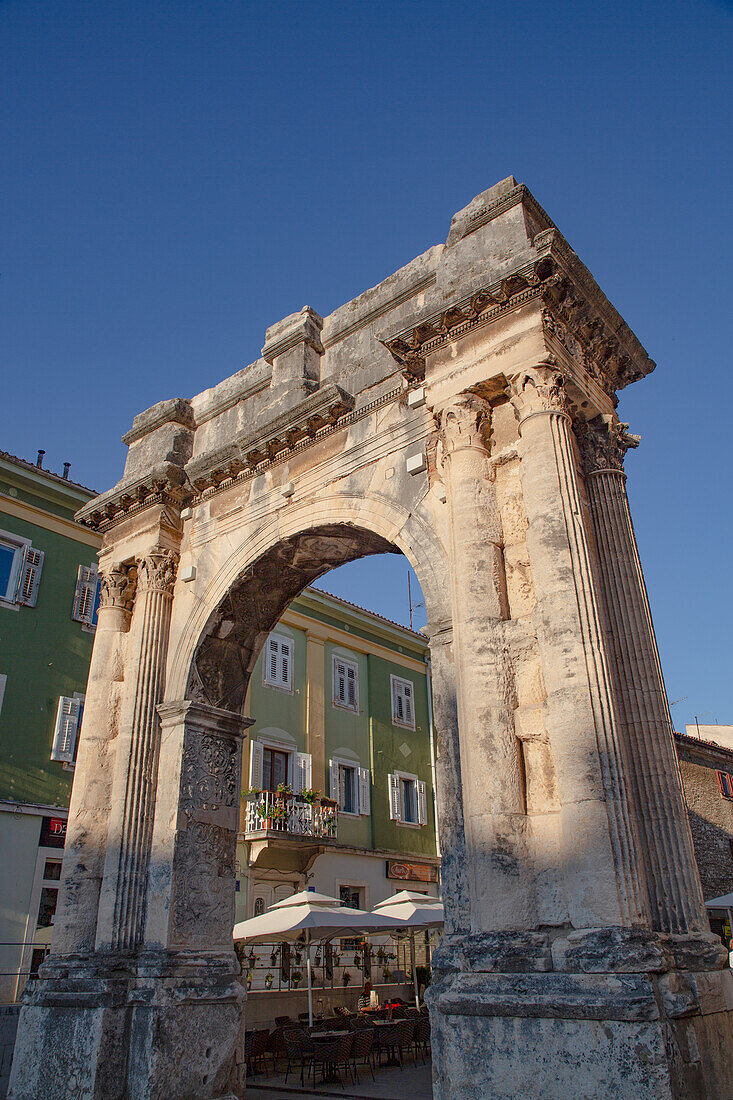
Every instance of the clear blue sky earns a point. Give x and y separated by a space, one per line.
178 175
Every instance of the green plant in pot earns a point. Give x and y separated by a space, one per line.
268 981
296 978
311 796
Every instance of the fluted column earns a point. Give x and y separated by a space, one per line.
491 773
453 871
600 847
673 881
122 905
91 798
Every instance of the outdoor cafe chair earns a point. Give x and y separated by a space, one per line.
283 1021
422 1033
362 1049
361 1023
407 1034
298 1049
330 1054
387 1038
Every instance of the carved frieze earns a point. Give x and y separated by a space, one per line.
203 893
603 443
209 778
156 571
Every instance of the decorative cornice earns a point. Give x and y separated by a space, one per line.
575 311
163 485
366 318
248 450
603 443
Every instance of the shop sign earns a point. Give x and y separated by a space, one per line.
53 832
412 872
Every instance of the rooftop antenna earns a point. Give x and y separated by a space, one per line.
697 721
39 460
413 606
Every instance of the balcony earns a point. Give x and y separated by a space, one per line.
286 832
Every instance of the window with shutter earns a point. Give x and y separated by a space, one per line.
68 718
345 684
422 803
302 772
403 697
30 576
86 596
333 780
278 663
256 750
395 797
364 792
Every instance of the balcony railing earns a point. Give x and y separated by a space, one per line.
270 813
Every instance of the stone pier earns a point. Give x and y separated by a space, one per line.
464 413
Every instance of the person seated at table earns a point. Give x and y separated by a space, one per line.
368 998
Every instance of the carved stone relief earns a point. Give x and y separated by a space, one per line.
209 779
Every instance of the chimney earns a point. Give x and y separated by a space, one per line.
65 474
39 460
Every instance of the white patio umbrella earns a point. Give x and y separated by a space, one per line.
311 917
413 910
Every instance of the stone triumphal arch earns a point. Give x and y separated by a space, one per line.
462 412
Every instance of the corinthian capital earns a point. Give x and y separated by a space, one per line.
603 443
463 422
538 389
157 571
117 587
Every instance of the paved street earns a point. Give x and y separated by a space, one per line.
391 1084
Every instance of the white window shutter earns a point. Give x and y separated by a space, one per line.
256 753
395 797
351 695
285 664
67 728
364 796
30 576
333 773
274 650
339 682
422 803
302 772
396 701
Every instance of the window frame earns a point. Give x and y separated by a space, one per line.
409 777
725 780
350 664
395 683
17 543
278 683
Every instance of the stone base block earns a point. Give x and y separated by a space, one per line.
580 1037
141 1036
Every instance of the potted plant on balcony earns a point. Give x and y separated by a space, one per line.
296 978
273 815
251 794
311 796
284 792
268 981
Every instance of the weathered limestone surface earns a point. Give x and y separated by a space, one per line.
463 412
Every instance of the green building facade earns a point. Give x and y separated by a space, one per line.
48 592
340 702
